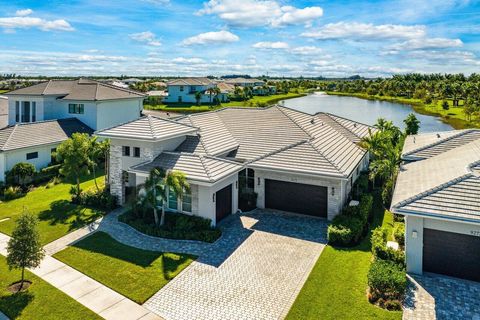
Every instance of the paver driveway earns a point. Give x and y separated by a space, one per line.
270 259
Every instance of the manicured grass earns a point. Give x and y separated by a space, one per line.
336 287
57 216
3 91
191 108
454 116
134 273
40 301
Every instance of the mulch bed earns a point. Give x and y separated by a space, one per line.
15 287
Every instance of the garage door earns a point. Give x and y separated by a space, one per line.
296 197
451 254
223 203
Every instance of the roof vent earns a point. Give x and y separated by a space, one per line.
312 121
354 125
438 135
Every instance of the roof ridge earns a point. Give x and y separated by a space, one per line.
173 121
292 145
150 124
337 122
9 136
293 120
432 190
45 89
323 155
459 134
199 134
207 171
96 92
337 116
120 124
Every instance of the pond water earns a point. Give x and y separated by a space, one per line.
364 111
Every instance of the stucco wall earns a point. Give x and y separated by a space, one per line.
414 246
41 102
110 113
335 197
174 92
89 117
2 167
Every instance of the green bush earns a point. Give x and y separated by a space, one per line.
365 207
361 186
101 199
12 193
380 249
21 173
177 226
386 280
399 233
345 230
387 192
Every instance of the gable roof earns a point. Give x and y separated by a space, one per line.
190 82
40 133
80 89
446 184
197 167
148 128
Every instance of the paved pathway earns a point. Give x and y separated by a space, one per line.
269 258
433 296
92 294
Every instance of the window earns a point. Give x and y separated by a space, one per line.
180 99
181 88
76 108
187 201
136 152
126 151
250 178
34 111
25 111
172 199
32 155
17 111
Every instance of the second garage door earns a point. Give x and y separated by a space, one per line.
296 197
451 254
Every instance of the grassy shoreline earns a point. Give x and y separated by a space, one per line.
454 116
192 108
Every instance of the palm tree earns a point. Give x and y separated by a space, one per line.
198 97
157 185
211 91
97 151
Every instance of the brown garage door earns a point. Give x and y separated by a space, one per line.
223 203
451 254
296 197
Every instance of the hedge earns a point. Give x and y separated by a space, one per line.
399 233
380 249
101 199
386 280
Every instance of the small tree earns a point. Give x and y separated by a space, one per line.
21 171
198 97
445 105
74 156
412 124
24 249
98 151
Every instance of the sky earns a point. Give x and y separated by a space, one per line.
257 37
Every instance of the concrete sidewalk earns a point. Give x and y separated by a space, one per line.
90 293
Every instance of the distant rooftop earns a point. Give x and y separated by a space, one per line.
191 82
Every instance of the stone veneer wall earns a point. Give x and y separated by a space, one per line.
115 173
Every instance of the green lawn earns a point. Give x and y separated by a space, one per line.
40 301
57 216
336 287
134 273
3 91
189 108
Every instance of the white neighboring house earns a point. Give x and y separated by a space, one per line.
3 112
184 90
438 192
46 114
245 82
294 161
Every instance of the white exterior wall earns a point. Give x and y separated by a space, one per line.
89 117
40 102
414 245
174 92
335 197
2 166
114 112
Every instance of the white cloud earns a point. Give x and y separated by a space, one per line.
251 13
24 12
182 60
211 38
306 50
428 44
271 45
146 37
366 31
24 21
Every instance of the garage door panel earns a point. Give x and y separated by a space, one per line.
451 254
296 197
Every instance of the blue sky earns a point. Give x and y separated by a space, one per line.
275 37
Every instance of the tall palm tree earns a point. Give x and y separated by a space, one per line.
157 185
198 97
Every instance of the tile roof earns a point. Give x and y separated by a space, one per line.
40 133
148 128
197 167
190 82
80 89
446 184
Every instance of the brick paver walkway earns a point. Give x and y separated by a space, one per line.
263 263
433 296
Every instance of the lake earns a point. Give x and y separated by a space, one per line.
364 111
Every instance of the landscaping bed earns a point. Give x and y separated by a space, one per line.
177 226
134 273
40 301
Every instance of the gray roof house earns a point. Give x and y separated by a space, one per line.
293 161
45 114
438 191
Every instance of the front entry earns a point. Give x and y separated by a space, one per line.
223 203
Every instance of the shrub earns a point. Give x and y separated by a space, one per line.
177 226
445 105
21 173
399 233
380 249
99 199
361 186
365 207
387 192
428 99
386 280
12 193
345 230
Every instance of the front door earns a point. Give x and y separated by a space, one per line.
223 203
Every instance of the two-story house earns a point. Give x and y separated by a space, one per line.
184 91
42 116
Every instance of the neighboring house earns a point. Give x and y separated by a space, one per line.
245 82
131 81
3 112
264 90
96 104
35 142
294 161
438 192
184 91
46 114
